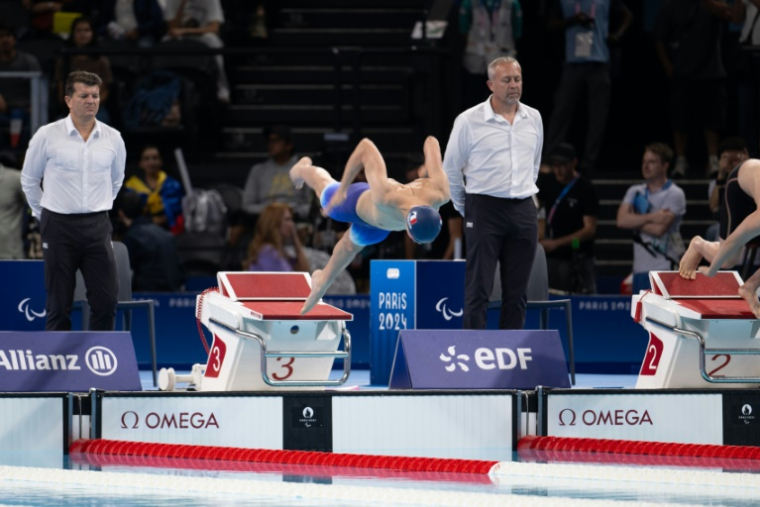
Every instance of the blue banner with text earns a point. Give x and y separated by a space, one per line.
67 361
478 360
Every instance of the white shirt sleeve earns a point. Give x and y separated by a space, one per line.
34 169
630 195
170 11
215 12
539 148
251 199
117 166
457 151
678 203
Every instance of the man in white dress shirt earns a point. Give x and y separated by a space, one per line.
492 162
82 163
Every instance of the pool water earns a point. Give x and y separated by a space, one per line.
49 480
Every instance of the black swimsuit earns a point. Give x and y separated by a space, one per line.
736 206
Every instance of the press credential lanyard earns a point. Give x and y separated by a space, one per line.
559 199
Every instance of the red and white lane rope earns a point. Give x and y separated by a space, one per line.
99 447
630 452
638 447
504 473
494 469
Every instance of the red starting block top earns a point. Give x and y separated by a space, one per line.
670 285
719 308
249 286
711 298
291 310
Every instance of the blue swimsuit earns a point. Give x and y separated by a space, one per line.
361 232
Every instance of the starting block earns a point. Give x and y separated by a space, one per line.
261 341
701 332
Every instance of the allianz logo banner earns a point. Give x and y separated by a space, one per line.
67 361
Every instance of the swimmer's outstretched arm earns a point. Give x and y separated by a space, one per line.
344 252
434 166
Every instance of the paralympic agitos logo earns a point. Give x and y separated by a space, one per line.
181 420
618 417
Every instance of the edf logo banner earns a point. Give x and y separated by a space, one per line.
469 359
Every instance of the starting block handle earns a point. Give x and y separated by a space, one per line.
344 354
703 352
337 355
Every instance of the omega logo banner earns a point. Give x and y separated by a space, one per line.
467 359
68 361
651 417
232 421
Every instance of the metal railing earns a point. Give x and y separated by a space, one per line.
38 94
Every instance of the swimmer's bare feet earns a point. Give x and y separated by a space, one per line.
690 262
296 172
318 289
750 296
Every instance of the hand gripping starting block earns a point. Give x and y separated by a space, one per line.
701 332
261 341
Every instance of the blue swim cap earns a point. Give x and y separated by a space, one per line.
423 223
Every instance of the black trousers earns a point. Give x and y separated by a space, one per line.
593 81
69 243
504 230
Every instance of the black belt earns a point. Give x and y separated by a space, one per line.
76 215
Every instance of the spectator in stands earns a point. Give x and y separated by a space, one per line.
43 14
202 19
152 252
161 194
41 22
12 208
688 43
139 22
258 26
15 100
731 153
81 36
588 36
269 181
491 27
567 233
276 245
653 211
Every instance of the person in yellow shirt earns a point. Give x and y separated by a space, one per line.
162 194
